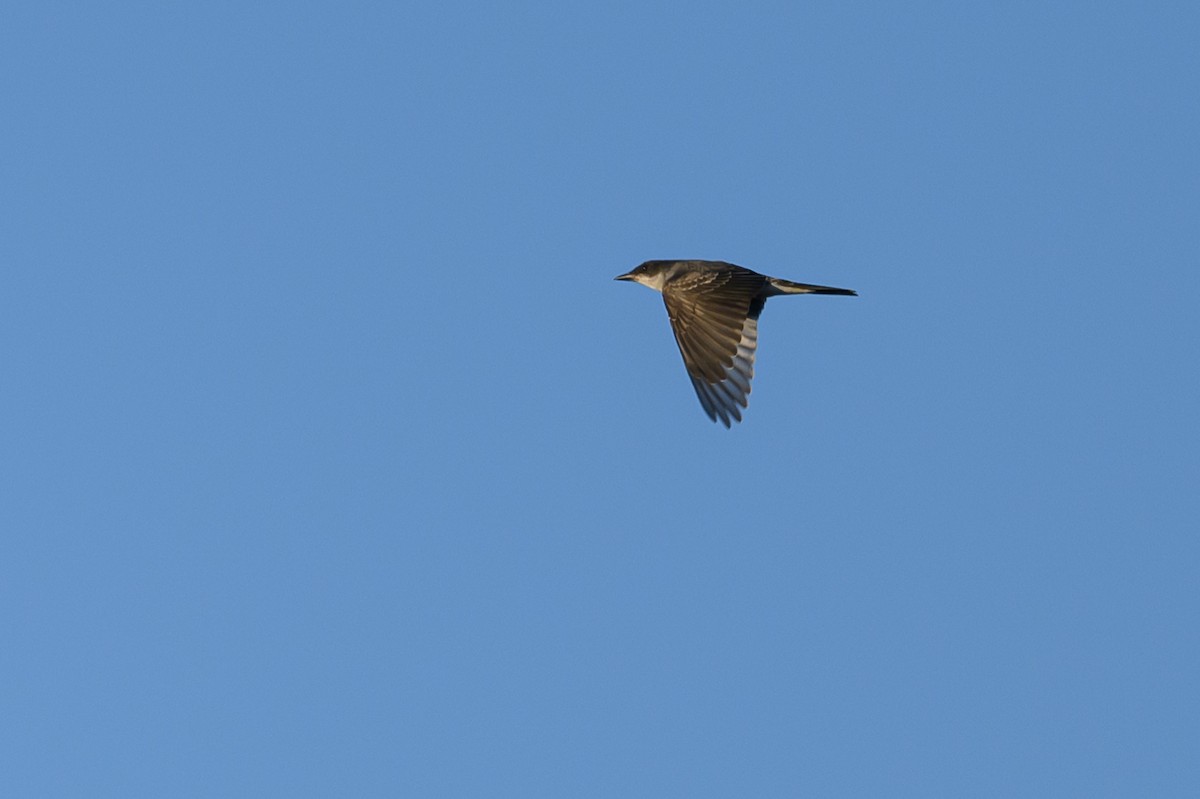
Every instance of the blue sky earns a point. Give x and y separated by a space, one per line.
336 463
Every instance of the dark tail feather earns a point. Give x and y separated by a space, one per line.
788 287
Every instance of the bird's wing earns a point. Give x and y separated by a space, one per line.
715 319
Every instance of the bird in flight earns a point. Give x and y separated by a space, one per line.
714 308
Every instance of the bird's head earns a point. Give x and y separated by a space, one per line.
650 273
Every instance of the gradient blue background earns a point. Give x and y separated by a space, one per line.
334 462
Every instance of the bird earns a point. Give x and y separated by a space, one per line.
714 308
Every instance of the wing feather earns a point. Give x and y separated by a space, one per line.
714 315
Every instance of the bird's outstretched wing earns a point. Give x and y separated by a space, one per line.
715 319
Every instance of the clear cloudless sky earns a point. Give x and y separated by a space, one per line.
336 464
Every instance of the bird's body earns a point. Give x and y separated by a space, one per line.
714 308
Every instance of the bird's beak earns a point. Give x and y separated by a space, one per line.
626 276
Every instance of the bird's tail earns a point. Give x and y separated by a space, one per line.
788 287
